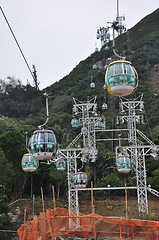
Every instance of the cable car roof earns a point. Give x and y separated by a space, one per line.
120 61
43 131
80 173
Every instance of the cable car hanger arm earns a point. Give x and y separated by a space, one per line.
114 51
47 112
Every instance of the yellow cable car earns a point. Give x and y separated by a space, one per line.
121 78
29 163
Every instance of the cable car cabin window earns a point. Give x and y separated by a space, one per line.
130 78
128 70
32 144
112 81
123 162
50 138
115 75
51 143
33 149
41 138
54 139
85 177
33 139
118 69
40 146
111 71
131 81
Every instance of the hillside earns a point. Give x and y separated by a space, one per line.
141 47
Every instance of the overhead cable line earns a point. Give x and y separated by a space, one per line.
8 231
17 42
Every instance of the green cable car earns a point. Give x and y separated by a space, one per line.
74 122
61 165
123 163
80 180
99 125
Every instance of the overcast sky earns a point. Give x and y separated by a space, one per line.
55 35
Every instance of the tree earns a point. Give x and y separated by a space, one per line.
36 83
154 180
5 220
13 146
7 174
59 178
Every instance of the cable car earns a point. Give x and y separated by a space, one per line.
123 162
94 66
104 106
99 125
92 85
121 78
83 129
80 180
93 154
43 144
61 165
85 155
29 163
74 122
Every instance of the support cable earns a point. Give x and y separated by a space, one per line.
16 42
8 231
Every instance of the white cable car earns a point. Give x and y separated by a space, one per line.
93 154
43 144
104 106
94 66
123 162
121 78
80 180
61 165
99 125
92 84
83 129
29 163
74 122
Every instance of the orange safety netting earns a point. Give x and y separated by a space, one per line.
58 223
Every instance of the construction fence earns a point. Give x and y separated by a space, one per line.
60 223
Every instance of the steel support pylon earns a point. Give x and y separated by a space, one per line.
131 107
141 182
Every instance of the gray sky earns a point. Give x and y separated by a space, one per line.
55 35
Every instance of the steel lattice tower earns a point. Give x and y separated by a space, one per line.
131 113
137 149
88 116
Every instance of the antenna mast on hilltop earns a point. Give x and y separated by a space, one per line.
119 26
